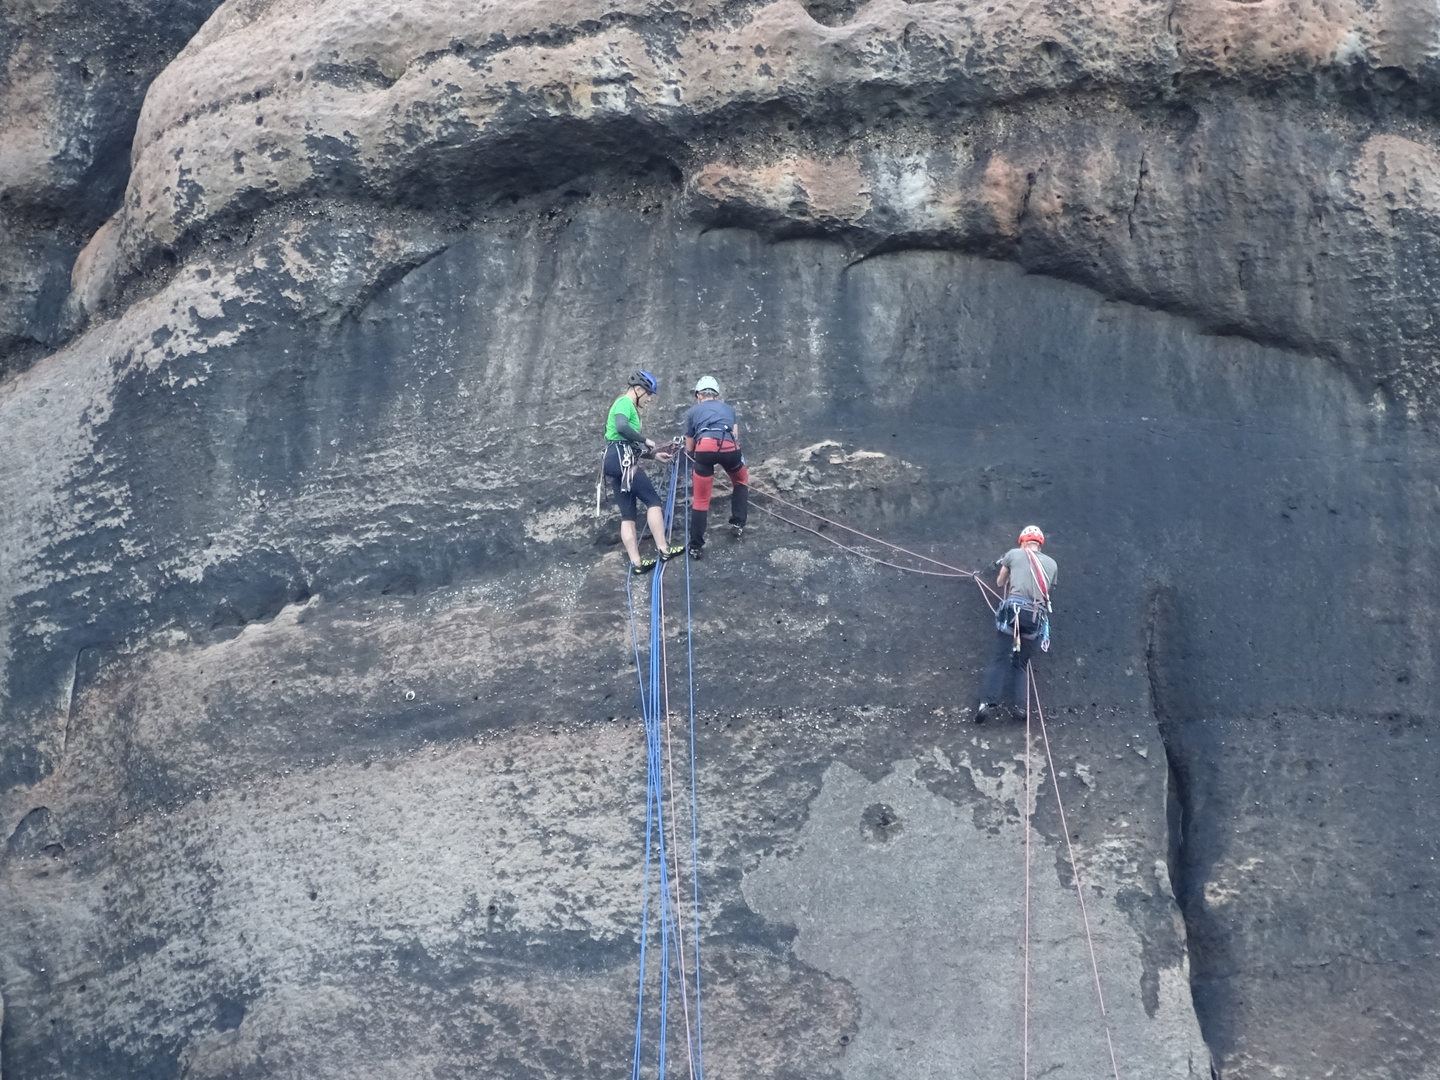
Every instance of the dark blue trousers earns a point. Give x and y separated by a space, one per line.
1004 681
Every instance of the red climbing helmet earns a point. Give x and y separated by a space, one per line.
1031 532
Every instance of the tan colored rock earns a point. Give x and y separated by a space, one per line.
1054 136
72 77
1394 174
273 99
834 192
1282 37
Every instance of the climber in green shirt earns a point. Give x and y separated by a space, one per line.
624 446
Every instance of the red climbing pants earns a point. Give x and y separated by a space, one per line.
708 454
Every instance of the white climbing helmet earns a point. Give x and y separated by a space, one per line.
708 384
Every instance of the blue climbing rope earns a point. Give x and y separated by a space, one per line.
653 708
694 801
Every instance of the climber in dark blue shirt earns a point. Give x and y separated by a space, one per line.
712 438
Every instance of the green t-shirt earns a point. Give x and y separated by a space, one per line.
624 406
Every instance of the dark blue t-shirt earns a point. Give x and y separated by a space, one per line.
710 420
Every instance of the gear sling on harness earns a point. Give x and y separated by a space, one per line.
628 458
628 461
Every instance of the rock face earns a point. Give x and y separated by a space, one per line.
321 754
72 77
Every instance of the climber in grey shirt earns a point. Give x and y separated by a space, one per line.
1024 583
1017 576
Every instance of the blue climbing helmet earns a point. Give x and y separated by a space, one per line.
646 382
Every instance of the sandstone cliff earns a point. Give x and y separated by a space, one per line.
320 748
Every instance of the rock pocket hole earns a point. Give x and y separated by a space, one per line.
881 823
832 12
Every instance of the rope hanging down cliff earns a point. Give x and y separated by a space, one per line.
1033 695
655 708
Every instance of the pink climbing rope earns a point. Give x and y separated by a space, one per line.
873 539
954 571
1025 1038
1074 866
857 550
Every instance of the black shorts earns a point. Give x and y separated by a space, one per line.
730 460
641 488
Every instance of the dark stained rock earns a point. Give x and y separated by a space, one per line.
74 76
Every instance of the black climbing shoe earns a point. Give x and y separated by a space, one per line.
737 531
985 711
696 553
644 566
675 549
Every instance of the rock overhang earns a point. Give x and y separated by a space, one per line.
1076 144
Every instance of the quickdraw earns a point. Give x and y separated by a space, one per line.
629 462
600 481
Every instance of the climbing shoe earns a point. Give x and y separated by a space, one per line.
696 552
985 711
737 531
675 549
644 566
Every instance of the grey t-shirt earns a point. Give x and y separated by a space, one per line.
1022 577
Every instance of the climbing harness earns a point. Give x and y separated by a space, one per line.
1007 620
629 459
655 708
726 437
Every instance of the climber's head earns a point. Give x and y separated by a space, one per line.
645 385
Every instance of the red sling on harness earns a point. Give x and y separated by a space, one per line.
710 445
